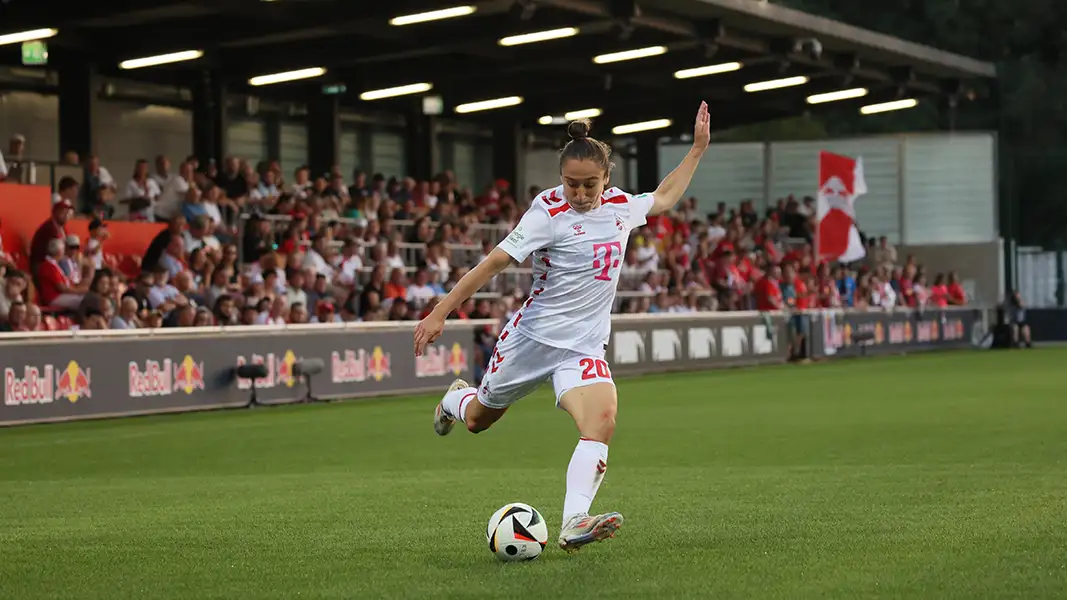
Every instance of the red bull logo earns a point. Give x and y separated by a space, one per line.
34 387
440 360
279 370
378 365
188 375
356 366
165 378
73 382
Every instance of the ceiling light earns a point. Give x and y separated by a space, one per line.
588 113
642 126
489 104
161 59
546 120
775 84
629 54
871 109
27 36
401 90
708 70
287 76
539 36
838 95
433 15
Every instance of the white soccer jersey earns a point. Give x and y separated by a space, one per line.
577 259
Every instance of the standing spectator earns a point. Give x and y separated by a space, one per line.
768 292
52 229
956 295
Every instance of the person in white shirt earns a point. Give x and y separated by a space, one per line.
315 258
351 263
162 176
175 189
294 292
576 235
420 291
143 186
3 167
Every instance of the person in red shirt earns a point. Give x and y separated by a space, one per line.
52 229
956 295
727 281
768 292
829 295
55 290
939 292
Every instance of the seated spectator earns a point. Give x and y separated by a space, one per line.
421 290
56 292
163 296
126 317
52 229
142 186
397 286
16 318
14 285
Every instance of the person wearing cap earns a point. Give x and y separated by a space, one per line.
71 261
52 229
325 312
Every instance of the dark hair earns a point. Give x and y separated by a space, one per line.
583 147
67 182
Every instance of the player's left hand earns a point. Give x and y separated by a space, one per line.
702 129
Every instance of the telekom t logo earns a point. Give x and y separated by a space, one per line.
611 250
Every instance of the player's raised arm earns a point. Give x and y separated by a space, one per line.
673 186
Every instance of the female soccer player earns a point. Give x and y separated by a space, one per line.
577 234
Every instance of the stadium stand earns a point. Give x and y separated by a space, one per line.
247 245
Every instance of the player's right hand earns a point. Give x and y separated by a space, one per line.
427 332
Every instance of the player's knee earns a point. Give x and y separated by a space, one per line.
477 425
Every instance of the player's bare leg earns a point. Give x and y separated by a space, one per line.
461 404
593 409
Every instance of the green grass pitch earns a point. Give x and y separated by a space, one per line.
936 476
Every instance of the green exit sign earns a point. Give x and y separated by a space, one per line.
334 89
34 53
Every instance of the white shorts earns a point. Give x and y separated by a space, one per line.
520 364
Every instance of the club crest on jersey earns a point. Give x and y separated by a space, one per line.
619 223
578 229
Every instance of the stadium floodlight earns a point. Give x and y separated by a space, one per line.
400 90
838 95
587 113
872 109
287 76
774 84
433 15
489 104
708 70
161 59
27 36
538 36
642 126
546 120
629 54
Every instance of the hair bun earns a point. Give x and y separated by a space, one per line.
579 129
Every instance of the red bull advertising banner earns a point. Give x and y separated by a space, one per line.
84 377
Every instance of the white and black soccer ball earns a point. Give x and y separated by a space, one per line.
517 532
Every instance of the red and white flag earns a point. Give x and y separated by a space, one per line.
840 183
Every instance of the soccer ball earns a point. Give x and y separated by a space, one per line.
517 532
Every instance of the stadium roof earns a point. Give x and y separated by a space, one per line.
463 59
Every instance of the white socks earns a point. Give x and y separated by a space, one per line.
586 471
455 403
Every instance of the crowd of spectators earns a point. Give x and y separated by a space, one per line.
246 245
